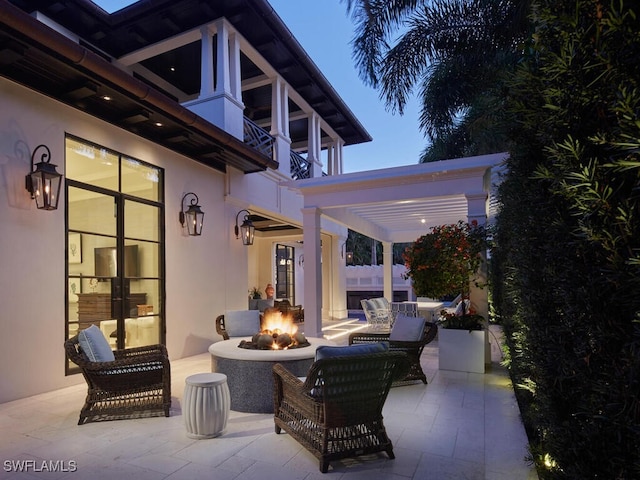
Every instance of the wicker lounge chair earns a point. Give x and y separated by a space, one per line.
377 311
412 349
136 384
336 412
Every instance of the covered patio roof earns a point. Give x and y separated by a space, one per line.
392 205
400 204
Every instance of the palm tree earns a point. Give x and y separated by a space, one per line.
454 54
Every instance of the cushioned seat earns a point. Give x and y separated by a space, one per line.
129 383
336 412
409 335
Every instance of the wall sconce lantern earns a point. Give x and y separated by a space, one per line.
247 228
44 183
348 254
194 216
349 258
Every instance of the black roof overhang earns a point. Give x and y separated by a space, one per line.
36 56
148 22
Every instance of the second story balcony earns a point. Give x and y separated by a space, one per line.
258 138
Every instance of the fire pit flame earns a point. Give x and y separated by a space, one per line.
279 332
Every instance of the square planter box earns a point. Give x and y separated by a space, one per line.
461 350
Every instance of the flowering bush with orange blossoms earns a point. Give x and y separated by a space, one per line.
443 262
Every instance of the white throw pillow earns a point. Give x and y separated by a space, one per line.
94 345
242 323
407 329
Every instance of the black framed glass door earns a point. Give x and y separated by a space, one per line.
115 246
285 273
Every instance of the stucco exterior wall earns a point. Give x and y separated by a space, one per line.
203 274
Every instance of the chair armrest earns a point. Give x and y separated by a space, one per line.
220 329
283 375
430 332
287 385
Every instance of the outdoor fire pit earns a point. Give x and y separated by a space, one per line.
249 368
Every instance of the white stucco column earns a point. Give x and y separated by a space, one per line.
235 80
313 155
220 99
280 124
222 66
477 211
331 148
312 272
387 269
339 278
206 63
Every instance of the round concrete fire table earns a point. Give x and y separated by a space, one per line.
249 372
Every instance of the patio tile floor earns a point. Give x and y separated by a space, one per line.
459 426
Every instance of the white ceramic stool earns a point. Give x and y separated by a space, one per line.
206 405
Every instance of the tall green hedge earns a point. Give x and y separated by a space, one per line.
566 265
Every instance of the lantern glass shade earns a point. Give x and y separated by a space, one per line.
349 258
248 231
194 219
45 184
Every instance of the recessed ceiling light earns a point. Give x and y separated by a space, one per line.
106 98
423 220
158 124
173 69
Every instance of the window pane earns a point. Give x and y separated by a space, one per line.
141 221
144 326
91 212
148 261
89 164
140 179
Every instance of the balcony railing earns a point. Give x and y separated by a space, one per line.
300 167
258 138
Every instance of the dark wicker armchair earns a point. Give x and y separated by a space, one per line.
412 349
295 311
337 411
136 384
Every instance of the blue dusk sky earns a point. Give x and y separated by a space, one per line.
325 31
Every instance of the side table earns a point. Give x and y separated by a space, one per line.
206 405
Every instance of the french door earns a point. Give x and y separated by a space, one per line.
285 273
115 254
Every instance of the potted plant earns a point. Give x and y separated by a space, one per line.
254 296
461 341
444 262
